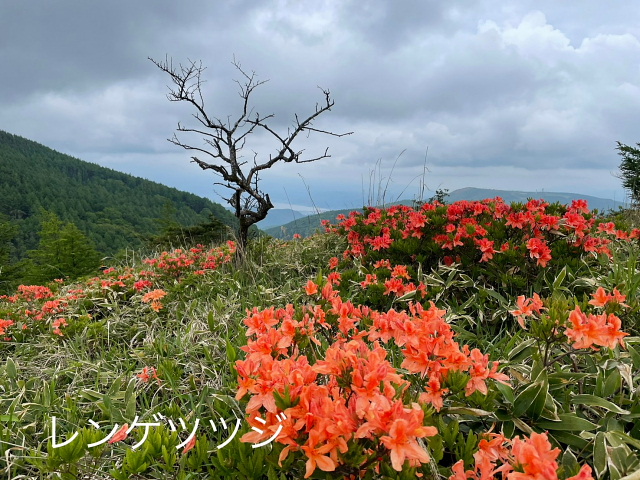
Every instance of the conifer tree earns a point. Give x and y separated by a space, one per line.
64 252
630 171
7 271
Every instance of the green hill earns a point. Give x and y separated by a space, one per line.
113 209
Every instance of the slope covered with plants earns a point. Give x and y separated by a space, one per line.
113 209
476 340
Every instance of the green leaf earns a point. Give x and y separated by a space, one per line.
622 437
211 323
560 278
635 356
600 454
10 368
527 397
494 294
506 391
568 422
568 378
476 412
594 401
570 462
570 439
231 352
520 349
612 384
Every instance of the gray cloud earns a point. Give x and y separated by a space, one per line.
513 91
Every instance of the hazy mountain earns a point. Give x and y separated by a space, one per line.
280 216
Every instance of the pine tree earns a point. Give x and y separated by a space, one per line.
8 231
630 170
64 252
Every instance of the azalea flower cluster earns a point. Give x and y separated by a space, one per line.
490 227
36 304
197 260
154 297
584 330
325 398
32 305
399 282
529 458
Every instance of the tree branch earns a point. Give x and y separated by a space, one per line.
228 139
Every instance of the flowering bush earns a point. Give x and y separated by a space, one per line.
36 308
345 387
473 233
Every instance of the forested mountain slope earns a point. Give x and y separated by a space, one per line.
113 209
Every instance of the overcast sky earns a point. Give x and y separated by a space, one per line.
519 95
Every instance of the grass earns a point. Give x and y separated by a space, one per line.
93 371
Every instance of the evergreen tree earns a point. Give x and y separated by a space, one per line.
64 252
206 233
8 231
630 170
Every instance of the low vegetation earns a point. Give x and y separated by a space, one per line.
468 341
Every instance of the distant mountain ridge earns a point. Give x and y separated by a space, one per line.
115 210
280 216
309 225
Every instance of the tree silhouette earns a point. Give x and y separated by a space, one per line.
226 140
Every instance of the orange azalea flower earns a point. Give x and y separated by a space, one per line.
583 474
403 444
535 457
459 473
60 322
587 331
400 271
433 394
156 306
580 206
190 444
153 295
120 434
370 279
316 456
600 298
259 321
147 373
527 307
486 247
616 296
538 249
480 372
4 324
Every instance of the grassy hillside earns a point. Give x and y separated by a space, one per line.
450 342
114 209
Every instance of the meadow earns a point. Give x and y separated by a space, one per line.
475 340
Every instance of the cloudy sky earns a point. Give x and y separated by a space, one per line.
519 95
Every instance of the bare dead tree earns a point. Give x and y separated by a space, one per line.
226 140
